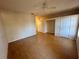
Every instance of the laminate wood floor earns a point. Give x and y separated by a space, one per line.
43 46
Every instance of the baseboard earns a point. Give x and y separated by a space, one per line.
51 33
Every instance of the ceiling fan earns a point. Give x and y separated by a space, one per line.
45 5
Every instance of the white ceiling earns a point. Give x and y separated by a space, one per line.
35 5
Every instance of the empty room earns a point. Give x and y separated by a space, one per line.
39 29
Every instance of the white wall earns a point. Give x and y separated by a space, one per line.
77 41
18 25
3 41
66 26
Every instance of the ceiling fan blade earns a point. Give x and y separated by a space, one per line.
51 8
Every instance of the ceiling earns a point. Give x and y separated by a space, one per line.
35 6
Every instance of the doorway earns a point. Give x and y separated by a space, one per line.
51 27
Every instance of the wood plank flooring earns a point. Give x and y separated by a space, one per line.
43 46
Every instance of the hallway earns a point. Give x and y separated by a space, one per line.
43 46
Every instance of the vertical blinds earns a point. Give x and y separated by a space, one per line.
66 26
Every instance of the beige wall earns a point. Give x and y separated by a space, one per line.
18 25
3 41
41 24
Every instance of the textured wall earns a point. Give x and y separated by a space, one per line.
3 41
41 24
18 25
